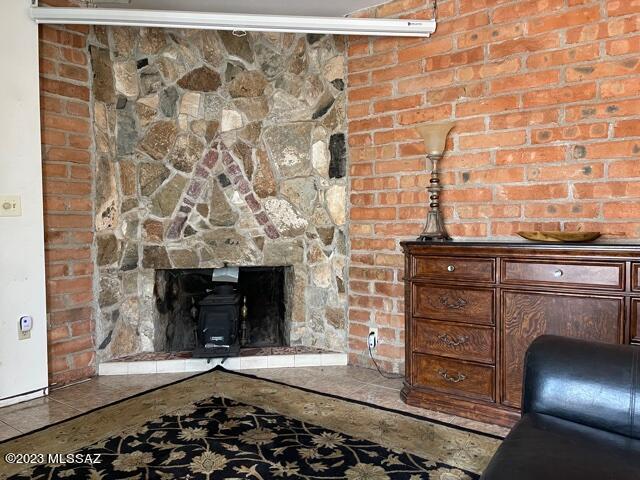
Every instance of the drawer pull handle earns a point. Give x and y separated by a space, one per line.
558 273
451 341
451 303
451 268
460 377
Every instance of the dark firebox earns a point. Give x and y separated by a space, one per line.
188 301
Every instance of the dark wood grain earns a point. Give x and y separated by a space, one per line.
527 315
454 304
482 411
597 275
597 297
454 268
454 376
452 340
635 320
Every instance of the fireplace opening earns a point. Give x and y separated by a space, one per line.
248 314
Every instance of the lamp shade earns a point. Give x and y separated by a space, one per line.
434 136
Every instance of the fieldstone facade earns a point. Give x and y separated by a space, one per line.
210 149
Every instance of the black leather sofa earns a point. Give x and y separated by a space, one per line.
580 415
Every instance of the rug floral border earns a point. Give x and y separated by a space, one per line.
458 448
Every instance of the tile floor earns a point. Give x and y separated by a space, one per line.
348 381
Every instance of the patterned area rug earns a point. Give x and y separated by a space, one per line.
243 432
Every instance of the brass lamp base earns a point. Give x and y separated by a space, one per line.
435 230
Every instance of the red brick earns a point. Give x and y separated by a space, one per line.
61 37
575 93
524 119
372 244
532 192
524 44
425 115
525 9
579 171
502 229
428 48
619 210
623 46
371 62
485 106
565 19
562 210
401 103
624 169
400 71
84 359
572 133
70 315
622 7
53 137
68 124
494 140
622 108
66 188
367 93
604 190
463 57
494 175
629 87
525 81
488 70
68 221
68 155
605 150
426 81
563 57
493 33
603 70
71 346
377 213
64 89
467 212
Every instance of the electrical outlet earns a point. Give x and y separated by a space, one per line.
23 335
373 338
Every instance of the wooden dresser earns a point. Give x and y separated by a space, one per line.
472 309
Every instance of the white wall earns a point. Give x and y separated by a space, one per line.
23 364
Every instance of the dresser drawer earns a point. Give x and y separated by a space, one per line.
635 320
455 268
608 276
457 341
470 305
635 277
454 376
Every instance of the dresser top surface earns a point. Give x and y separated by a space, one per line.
597 248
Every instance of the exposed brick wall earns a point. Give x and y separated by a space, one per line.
546 96
68 191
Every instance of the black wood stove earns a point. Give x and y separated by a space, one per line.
218 323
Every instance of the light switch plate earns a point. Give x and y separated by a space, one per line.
10 206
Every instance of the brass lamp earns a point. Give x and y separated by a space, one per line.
435 139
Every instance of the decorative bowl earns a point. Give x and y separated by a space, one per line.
552 236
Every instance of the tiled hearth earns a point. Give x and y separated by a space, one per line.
250 358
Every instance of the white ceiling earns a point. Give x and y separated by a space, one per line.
316 8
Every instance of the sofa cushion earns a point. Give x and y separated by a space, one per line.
541 447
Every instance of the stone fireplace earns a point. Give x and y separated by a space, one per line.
211 150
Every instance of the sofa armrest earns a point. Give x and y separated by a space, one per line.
594 384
